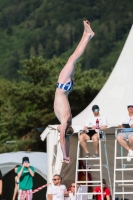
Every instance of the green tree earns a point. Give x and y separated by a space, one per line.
57 26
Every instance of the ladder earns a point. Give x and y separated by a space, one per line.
92 168
121 182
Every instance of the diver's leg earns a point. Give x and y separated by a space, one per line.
67 72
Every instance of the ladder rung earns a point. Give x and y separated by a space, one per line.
125 181
103 165
127 184
123 169
93 165
87 170
88 181
89 193
123 192
89 158
128 165
93 185
122 157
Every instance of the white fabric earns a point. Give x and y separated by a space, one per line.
54 153
72 197
57 191
126 120
117 91
91 121
47 131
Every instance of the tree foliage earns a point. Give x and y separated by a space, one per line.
42 27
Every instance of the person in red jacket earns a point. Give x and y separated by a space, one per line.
106 192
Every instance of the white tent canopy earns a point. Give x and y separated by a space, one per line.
117 91
37 159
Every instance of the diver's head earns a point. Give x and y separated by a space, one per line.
69 131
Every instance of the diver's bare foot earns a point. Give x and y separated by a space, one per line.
88 29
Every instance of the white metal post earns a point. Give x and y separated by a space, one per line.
105 151
115 153
122 172
101 177
77 164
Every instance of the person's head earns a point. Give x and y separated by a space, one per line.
25 160
73 187
57 179
16 168
95 110
104 183
69 131
130 108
